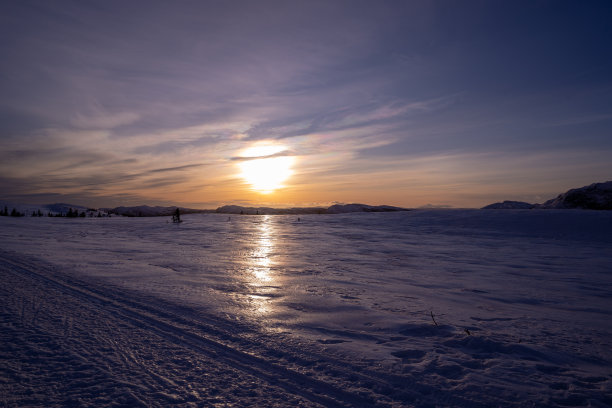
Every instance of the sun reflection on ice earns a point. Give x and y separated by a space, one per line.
260 276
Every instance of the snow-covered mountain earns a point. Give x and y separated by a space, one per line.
509 205
351 208
597 196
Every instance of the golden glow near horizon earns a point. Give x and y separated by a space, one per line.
266 174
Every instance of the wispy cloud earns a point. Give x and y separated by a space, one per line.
104 121
178 168
284 153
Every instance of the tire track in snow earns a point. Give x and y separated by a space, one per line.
291 381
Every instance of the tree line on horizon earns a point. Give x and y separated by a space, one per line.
14 213
70 214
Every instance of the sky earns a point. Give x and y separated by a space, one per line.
303 103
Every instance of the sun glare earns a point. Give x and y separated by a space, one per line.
266 174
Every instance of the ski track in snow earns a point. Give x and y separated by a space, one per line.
120 312
118 339
126 312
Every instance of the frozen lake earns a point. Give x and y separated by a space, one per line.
449 307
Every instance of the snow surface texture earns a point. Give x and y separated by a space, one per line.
462 308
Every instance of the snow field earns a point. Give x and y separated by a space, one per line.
520 299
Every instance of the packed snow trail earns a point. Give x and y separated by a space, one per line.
104 320
133 353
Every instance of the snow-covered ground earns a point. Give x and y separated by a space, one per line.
424 308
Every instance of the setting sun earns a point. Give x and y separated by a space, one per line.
263 169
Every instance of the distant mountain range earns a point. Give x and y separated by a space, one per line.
509 205
146 211
156 211
597 196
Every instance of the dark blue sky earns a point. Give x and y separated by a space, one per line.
407 103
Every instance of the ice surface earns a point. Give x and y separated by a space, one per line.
436 307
